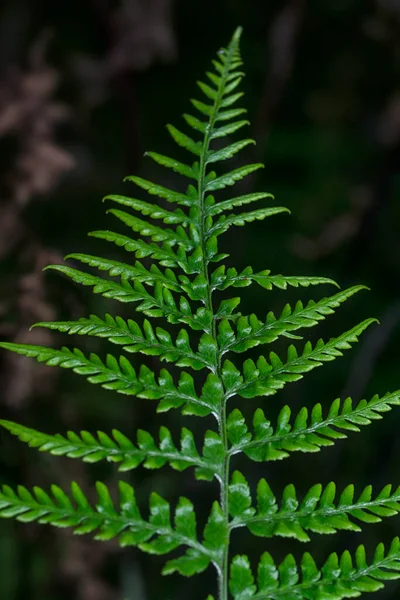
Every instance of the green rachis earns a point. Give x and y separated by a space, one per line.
177 278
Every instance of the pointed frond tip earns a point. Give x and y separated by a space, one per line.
343 576
120 450
307 431
318 512
237 35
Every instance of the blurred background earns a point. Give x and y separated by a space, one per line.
85 89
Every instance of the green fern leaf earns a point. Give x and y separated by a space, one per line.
229 151
141 249
263 378
224 223
185 141
318 511
306 434
161 192
162 304
231 128
228 205
147 340
151 210
157 234
222 279
175 165
251 332
339 577
120 450
156 536
120 376
219 183
136 272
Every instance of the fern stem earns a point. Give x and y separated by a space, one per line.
223 570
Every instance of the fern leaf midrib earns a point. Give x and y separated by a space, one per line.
328 422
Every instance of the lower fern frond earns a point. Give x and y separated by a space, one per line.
317 512
157 535
340 577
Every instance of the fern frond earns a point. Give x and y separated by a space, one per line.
161 304
224 223
182 286
223 278
162 192
251 332
156 535
119 449
146 340
170 163
136 272
318 512
177 217
340 577
164 254
229 151
305 433
229 179
185 141
264 379
220 132
169 236
120 376
228 205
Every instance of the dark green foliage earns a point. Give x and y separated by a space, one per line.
180 287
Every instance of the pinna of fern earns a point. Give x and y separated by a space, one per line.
176 277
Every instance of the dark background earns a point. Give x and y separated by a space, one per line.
85 88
